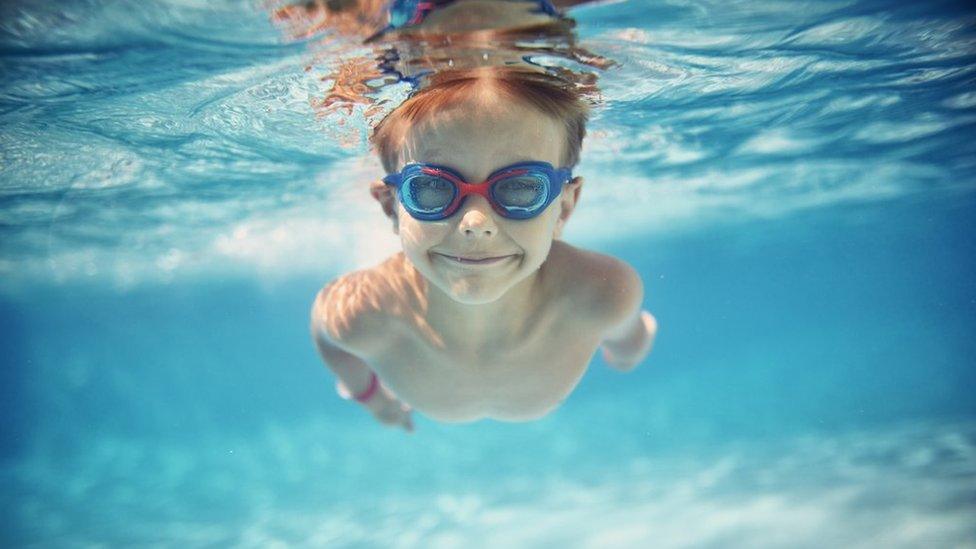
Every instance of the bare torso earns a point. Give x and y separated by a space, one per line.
453 375
520 381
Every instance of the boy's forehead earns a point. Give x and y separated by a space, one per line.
512 131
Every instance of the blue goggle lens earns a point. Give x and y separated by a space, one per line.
427 194
521 195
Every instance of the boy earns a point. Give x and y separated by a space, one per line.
485 313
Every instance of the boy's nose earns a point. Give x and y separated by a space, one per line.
476 218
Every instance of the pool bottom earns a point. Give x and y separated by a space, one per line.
903 485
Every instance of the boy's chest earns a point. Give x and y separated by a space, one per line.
502 383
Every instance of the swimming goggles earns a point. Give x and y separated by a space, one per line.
521 191
407 13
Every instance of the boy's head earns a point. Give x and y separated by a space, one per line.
476 122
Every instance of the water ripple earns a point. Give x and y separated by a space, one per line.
200 107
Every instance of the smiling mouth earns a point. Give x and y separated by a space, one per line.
475 260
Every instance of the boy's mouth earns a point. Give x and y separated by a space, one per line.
476 260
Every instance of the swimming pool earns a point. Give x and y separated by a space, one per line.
794 182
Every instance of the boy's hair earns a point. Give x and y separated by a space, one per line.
549 94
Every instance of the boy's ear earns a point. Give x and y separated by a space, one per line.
386 196
567 203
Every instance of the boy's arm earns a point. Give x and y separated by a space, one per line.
632 330
353 374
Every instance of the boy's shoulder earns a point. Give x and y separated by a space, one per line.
607 289
355 310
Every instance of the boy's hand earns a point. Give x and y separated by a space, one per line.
389 410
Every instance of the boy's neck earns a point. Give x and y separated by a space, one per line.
504 320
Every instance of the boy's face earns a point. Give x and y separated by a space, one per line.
476 255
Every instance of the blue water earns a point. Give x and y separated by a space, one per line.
795 182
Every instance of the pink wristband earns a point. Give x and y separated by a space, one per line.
374 383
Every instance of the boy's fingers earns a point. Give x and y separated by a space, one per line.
395 414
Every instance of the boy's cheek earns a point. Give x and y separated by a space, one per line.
409 236
415 234
543 229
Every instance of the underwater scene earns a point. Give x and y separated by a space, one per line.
793 183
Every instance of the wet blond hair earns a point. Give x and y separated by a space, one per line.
448 89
